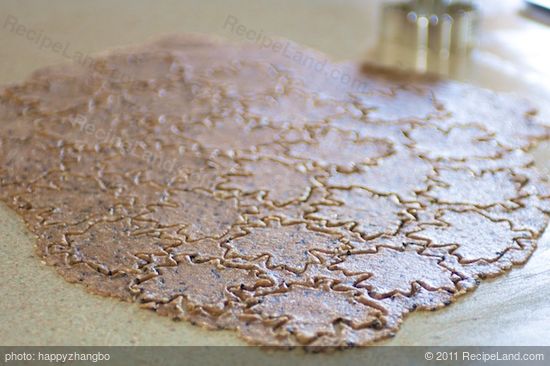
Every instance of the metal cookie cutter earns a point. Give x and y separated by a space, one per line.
427 34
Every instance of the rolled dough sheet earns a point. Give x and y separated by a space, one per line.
269 190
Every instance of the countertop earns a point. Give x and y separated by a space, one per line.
40 308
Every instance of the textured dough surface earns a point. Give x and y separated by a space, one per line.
239 188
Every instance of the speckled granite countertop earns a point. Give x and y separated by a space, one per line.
39 308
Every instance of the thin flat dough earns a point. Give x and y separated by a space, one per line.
238 188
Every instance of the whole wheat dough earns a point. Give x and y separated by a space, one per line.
241 187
